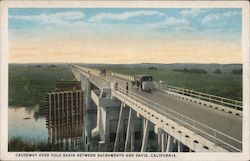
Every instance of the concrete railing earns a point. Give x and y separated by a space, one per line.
99 82
93 76
234 104
215 136
122 76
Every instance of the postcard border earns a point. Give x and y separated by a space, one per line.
5 5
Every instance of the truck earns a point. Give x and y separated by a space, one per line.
103 72
143 82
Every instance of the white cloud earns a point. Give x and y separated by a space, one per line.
171 21
55 18
232 13
211 17
191 12
218 16
123 16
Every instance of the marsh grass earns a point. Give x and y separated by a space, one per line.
28 84
18 144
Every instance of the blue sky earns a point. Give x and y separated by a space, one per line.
168 24
199 19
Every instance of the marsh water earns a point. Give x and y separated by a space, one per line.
23 123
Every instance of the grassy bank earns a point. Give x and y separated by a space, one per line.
17 144
224 84
28 84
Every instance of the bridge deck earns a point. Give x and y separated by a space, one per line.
218 120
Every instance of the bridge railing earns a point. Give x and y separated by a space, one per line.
215 136
93 76
123 76
237 105
99 82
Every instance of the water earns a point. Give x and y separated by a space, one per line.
32 129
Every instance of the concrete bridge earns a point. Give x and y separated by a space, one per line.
181 119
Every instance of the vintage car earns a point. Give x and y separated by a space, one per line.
143 82
103 72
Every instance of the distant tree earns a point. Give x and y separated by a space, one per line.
152 68
237 71
52 66
217 71
185 70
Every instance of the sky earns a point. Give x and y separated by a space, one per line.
125 35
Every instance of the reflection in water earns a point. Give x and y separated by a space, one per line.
31 129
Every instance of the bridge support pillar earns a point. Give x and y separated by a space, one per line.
174 140
145 136
119 128
132 138
180 146
130 131
163 141
170 144
86 86
159 139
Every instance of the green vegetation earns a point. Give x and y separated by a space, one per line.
237 71
152 68
17 144
224 84
28 84
217 71
185 70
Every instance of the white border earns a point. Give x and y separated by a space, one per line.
5 155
